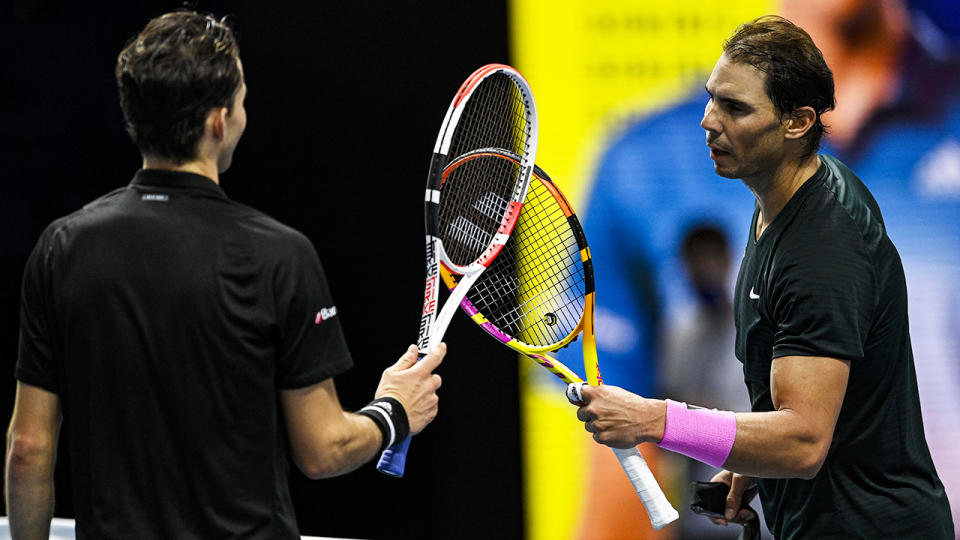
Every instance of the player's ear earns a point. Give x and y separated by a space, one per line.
217 122
800 121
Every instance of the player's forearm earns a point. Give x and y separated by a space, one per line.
777 444
789 442
29 493
342 448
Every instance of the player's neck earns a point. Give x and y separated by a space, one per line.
197 166
774 193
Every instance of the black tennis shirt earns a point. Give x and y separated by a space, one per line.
166 317
824 279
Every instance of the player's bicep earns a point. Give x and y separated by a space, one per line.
310 344
812 389
824 295
35 361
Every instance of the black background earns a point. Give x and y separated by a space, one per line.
344 102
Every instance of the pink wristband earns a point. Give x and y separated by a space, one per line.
706 435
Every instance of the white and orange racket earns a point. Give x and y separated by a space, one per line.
471 211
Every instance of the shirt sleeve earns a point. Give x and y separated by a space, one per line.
824 291
311 346
35 359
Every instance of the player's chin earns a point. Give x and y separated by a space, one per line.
725 172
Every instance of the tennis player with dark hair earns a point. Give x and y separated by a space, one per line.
188 342
835 438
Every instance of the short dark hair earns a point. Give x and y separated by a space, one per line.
797 74
169 77
702 238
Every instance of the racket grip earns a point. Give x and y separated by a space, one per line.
659 509
394 459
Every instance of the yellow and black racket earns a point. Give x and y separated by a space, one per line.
538 296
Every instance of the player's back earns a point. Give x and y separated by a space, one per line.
164 335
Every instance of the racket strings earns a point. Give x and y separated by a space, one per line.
535 288
495 116
542 319
473 202
475 196
539 320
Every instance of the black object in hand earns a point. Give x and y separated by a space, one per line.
710 499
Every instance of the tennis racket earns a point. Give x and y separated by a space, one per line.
537 296
470 213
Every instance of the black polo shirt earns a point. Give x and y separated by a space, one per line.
824 279
166 316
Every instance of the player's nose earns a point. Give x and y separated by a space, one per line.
709 121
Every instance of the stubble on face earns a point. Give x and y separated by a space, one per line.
741 123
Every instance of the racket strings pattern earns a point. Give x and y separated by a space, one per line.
535 289
474 199
469 213
540 290
496 116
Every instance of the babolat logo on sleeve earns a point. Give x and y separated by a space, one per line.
326 313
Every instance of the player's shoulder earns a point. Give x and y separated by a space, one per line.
848 192
90 215
838 213
267 234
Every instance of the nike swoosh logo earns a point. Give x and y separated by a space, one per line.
753 295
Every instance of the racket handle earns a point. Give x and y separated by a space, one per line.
394 459
659 509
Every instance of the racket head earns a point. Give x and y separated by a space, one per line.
468 215
469 220
534 296
473 209
540 289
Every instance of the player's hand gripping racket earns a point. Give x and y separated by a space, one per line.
471 212
538 296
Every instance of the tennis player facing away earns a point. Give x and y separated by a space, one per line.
835 438
185 339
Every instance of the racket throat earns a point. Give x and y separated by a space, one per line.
431 295
450 307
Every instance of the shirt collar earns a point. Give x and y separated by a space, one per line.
177 179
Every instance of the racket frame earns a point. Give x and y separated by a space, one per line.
433 325
658 507
431 332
